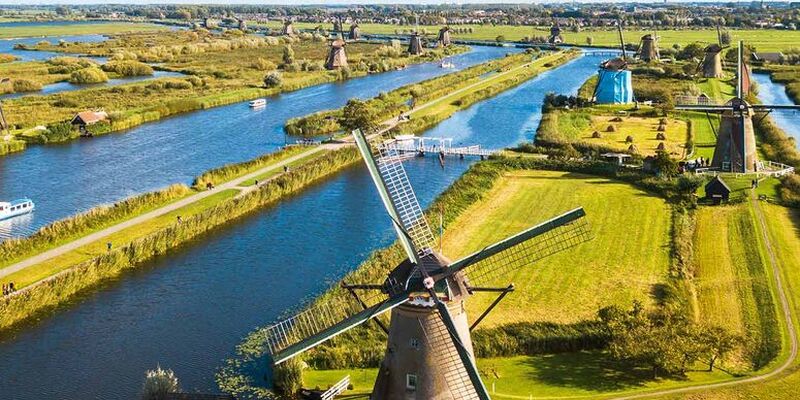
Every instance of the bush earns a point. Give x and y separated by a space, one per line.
60 132
159 382
6 58
262 64
196 81
790 190
273 79
88 75
288 377
128 68
25 85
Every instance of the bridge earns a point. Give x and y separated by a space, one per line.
410 144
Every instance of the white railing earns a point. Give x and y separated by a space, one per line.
695 100
336 389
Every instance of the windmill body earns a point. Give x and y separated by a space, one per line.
429 352
614 83
712 61
288 29
648 50
355 32
555 35
337 58
735 150
415 44
444 37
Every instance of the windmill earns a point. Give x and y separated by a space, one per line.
415 41
444 39
735 150
555 34
614 82
355 31
429 347
648 46
288 28
712 59
337 58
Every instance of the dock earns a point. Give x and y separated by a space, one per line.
409 144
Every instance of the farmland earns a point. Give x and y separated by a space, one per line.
762 40
12 32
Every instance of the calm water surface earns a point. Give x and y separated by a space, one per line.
65 179
188 310
770 92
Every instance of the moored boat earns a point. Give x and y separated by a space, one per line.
258 103
15 208
447 64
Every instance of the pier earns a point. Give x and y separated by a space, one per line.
408 144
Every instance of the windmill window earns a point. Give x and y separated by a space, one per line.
415 343
411 381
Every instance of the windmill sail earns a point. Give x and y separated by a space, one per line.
540 241
385 166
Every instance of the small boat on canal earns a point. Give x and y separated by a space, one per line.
258 103
15 208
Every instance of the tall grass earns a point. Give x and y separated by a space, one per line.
61 287
531 338
87 221
233 170
11 146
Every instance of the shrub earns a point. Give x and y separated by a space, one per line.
158 382
60 132
790 190
25 85
288 377
177 84
196 81
273 79
6 58
128 68
88 75
262 64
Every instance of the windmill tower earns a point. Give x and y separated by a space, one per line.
288 28
355 31
242 25
444 37
337 58
712 59
415 41
648 46
614 81
555 34
429 353
735 150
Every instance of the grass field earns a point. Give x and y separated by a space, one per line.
731 280
9 32
643 131
762 40
626 260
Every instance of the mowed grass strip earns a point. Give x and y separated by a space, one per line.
57 264
627 258
733 284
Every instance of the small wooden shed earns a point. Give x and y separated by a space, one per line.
85 118
717 190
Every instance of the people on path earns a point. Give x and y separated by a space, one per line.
108 246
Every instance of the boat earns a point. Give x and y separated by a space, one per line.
15 208
447 64
258 103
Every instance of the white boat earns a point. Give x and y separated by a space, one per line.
258 103
15 208
447 64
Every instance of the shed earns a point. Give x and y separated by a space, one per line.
619 158
717 190
774 58
85 118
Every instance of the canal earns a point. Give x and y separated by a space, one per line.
770 92
72 177
187 310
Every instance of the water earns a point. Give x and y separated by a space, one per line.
187 310
7 47
75 176
59 87
770 92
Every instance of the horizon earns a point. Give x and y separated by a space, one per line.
364 2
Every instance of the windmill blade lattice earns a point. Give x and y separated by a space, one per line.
540 241
323 321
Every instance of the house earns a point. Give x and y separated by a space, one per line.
717 190
87 118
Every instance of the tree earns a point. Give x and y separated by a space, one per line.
718 342
725 38
273 79
665 165
692 50
357 115
288 55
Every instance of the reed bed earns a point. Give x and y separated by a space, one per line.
86 222
59 288
230 171
11 146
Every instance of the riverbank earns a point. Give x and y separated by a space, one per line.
89 255
221 69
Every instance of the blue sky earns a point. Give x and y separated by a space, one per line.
286 2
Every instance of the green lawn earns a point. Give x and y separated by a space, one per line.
76 29
762 40
627 259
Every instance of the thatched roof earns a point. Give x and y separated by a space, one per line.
336 56
713 48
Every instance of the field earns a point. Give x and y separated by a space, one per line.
627 259
583 126
10 32
733 289
762 40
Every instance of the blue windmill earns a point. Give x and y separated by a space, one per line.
614 83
